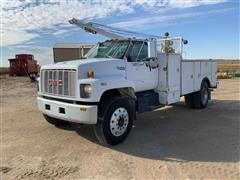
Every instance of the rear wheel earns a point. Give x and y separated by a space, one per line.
189 100
115 120
54 121
200 98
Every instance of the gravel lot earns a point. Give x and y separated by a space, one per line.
170 143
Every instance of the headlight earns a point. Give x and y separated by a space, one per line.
85 90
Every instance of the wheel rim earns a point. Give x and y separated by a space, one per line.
119 121
204 96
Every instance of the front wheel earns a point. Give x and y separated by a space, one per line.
115 120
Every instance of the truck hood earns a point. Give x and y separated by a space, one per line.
100 66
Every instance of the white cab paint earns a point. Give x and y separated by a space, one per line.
141 75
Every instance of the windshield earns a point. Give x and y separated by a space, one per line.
108 49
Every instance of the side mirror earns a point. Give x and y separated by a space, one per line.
185 41
152 62
151 59
166 34
152 50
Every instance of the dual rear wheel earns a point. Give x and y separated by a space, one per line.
199 99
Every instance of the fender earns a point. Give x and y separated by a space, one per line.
99 86
207 80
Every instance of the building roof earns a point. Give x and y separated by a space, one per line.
73 45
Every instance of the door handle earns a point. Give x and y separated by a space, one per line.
138 63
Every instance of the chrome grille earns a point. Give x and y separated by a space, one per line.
60 82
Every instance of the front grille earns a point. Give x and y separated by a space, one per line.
60 82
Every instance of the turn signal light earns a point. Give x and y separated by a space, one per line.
90 74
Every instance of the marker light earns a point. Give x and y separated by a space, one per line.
90 74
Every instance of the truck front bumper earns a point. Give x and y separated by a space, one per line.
85 114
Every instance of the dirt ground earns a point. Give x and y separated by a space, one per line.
170 143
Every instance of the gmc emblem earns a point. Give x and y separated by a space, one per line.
52 82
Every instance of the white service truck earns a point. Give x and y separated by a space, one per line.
120 78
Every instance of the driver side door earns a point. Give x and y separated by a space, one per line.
138 69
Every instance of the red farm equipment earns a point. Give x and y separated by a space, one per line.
23 65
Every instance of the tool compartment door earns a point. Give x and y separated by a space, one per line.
173 71
169 78
187 77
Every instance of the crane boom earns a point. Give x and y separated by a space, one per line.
110 32
89 27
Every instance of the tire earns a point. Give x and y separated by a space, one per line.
115 120
189 100
32 76
200 98
54 121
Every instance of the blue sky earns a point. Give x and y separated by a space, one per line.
210 26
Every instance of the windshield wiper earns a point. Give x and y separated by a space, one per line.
108 56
